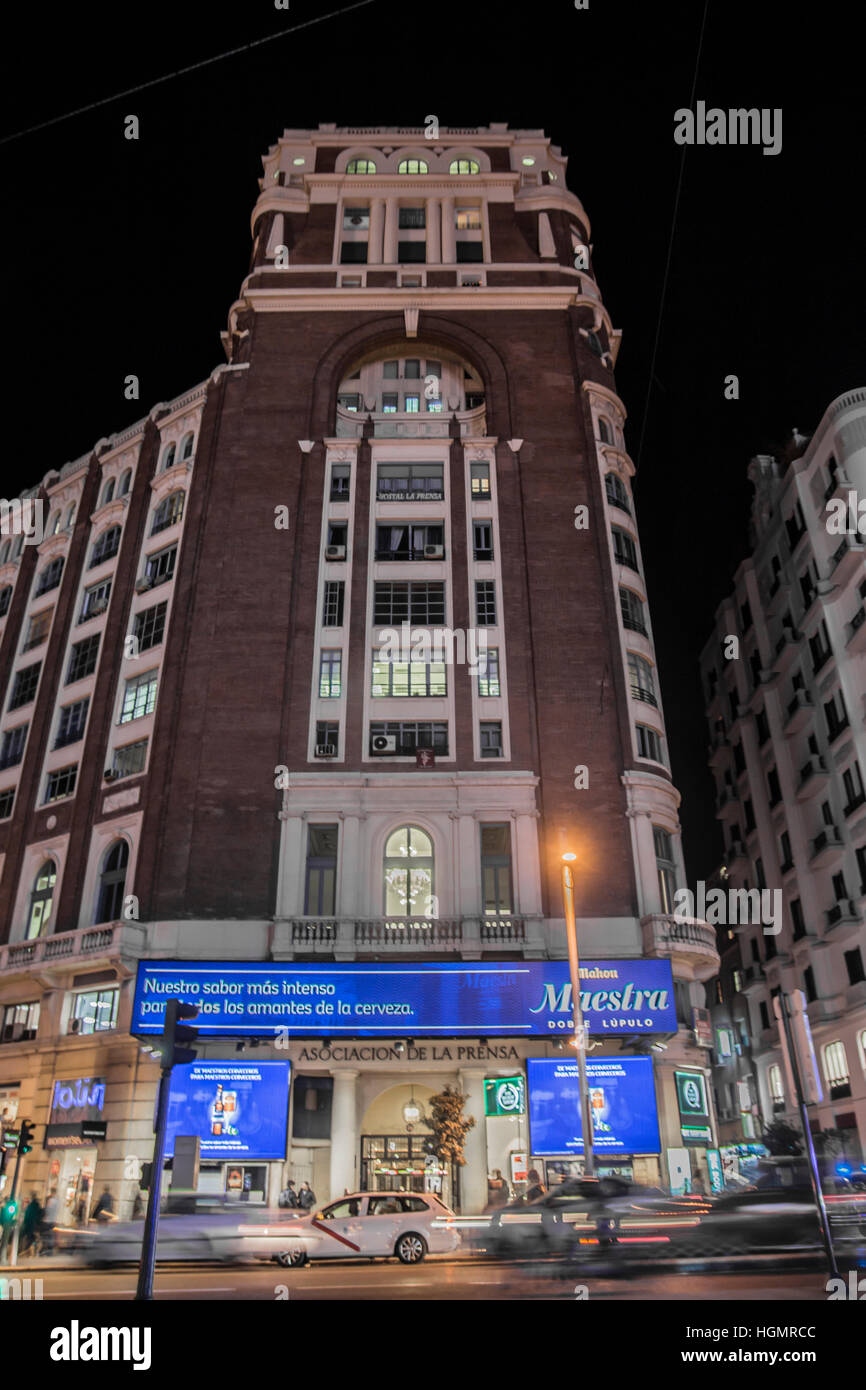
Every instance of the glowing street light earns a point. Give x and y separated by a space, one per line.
579 1039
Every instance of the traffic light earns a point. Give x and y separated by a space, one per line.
8 1212
25 1139
169 1049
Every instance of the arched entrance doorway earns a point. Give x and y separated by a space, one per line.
392 1147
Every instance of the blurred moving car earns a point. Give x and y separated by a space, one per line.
768 1219
372 1225
190 1228
582 1215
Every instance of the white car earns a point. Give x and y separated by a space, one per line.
372 1225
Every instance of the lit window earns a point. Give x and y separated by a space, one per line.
412 166
464 166
409 873
361 166
488 675
330 668
139 697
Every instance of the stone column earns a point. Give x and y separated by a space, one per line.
646 862
449 255
377 223
290 882
473 1178
344 1135
434 242
527 876
389 254
350 867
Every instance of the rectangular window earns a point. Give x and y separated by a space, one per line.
482 540
72 721
350 401
330 667
488 679
38 630
485 603
95 600
401 541
467 219
411 404
327 736
411 218
648 743
12 746
356 219
332 608
341 477
854 966
390 403
496 881
632 609
412 369
773 787
409 735
129 759
320 891
24 685
665 867
159 567
409 482
94 1011
61 783
49 578
399 678
836 715
853 784
420 603
469 252
624 548
148 626
139 697
20 1022
7 799
391 370
491 738
479 474
353 253
409 252
836 1070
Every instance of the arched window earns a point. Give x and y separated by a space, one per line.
168 512
169 457
186 447
53 524
464 166
361 166
412 166
615 490
123 485
106 546
604 430
408 871
4 552
41 899
70 515
107 493
112 880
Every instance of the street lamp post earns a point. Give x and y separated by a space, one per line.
579 1041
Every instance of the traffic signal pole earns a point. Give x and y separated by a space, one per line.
172 1035
24 1146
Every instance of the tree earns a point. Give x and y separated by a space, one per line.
781 1138
449 1128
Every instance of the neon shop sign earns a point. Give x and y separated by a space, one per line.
81 1094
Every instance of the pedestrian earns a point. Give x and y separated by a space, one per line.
289 1197
30 1224
497 1191
698 1189
536 1188
306 1197
104 1209
49 1221
138 1206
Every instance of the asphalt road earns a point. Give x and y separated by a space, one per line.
435 1279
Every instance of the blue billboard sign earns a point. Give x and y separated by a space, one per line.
622 1097
485 999
237 1109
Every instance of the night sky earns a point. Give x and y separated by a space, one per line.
124 257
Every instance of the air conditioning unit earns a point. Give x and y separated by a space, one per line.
383 743
434 552
142 585
326 750
110 774
335 552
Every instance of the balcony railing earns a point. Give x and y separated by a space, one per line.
105 939
691 939
506 929
412 932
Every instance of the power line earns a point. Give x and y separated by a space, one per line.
181 72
